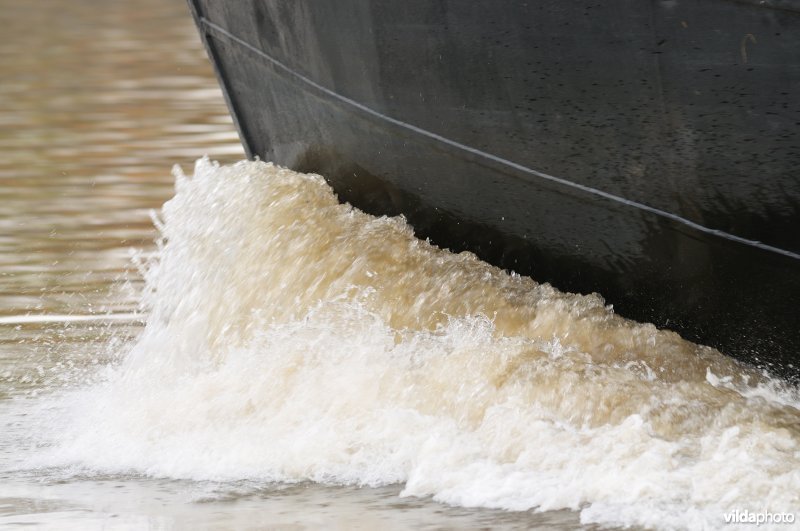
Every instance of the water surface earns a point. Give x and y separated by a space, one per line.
279 359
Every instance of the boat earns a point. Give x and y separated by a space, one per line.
648 151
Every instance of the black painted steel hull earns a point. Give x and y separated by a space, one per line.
649 151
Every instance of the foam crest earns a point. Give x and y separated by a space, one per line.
292 338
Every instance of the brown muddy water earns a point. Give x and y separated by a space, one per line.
255 355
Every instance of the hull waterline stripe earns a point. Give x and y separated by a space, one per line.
214 28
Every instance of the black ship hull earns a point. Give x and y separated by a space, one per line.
649 151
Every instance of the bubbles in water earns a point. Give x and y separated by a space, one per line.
292 338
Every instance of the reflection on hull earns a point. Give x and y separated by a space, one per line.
644 151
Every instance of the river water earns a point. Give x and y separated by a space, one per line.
254 354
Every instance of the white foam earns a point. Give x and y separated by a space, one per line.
291 338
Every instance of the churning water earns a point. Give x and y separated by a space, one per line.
281 360
292 339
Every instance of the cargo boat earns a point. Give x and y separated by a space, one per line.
648 151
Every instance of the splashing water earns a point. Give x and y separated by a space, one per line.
292 338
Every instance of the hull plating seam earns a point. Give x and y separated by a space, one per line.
218 31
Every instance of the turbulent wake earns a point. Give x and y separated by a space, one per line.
292 338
